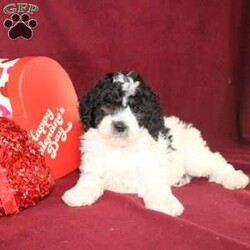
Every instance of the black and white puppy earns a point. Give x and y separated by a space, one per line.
130 147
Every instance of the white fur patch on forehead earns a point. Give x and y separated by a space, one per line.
128 86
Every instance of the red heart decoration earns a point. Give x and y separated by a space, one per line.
44 103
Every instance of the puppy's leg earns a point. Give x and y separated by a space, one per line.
201 162
157 194
87 190
163 201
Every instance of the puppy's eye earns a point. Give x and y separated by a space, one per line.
108 106
136 109
109 109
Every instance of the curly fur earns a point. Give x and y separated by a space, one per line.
107 92
130 147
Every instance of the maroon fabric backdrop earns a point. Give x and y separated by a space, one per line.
190 52
182 48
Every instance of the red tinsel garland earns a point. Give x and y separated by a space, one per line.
24 177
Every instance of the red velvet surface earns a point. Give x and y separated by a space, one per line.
214 218
190 52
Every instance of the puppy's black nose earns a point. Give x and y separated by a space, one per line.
119 126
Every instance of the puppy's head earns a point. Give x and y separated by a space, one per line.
120 105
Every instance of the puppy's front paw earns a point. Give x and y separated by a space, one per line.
169 205
76 197
232 180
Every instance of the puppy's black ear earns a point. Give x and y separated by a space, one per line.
86 111
90 103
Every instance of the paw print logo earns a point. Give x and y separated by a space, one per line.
20 26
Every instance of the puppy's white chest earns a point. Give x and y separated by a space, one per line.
122 169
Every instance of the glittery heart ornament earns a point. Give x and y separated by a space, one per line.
24 176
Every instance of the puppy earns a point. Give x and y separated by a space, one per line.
130 147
